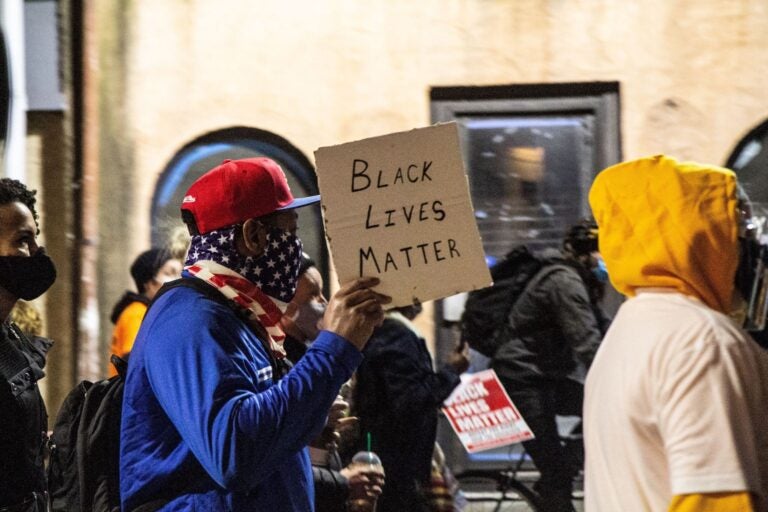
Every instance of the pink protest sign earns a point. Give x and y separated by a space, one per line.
482 415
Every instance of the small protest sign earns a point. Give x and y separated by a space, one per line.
397 207
482 415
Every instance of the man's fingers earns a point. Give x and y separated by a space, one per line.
346 423
372 310
377 480
360 290
357 284
339 407
366 294
355 310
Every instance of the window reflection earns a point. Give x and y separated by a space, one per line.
529 177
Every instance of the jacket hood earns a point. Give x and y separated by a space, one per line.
670 224
126 300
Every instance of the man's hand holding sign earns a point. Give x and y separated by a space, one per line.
397 207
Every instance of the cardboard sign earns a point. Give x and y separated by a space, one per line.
397 207
482 415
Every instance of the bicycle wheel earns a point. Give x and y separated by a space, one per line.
496 491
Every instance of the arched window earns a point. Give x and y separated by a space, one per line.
208 151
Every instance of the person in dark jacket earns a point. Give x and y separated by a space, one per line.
556 332
211 420
26 272
335 483
397 395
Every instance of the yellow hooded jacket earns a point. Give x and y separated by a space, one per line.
671 224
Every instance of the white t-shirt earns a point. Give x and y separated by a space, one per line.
675 403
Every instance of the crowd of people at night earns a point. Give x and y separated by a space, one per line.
247 389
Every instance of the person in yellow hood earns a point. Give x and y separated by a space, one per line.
674 410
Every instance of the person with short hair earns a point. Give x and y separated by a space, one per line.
26 272
212 419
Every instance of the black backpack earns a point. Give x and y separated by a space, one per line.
84 467
83 472
484 323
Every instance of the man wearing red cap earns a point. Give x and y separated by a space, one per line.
211 418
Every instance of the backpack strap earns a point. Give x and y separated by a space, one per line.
543 273
279 368
120 364
507 329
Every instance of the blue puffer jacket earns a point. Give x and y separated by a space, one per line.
205 426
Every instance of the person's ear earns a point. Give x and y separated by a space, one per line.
253 239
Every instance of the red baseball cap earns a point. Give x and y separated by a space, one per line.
238 190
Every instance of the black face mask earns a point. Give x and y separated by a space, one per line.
27 277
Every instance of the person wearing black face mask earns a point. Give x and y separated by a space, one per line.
26 272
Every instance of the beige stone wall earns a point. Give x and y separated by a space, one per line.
694 76
49 171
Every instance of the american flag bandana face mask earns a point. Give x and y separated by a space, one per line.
275 272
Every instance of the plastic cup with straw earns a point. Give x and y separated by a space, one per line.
371 464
